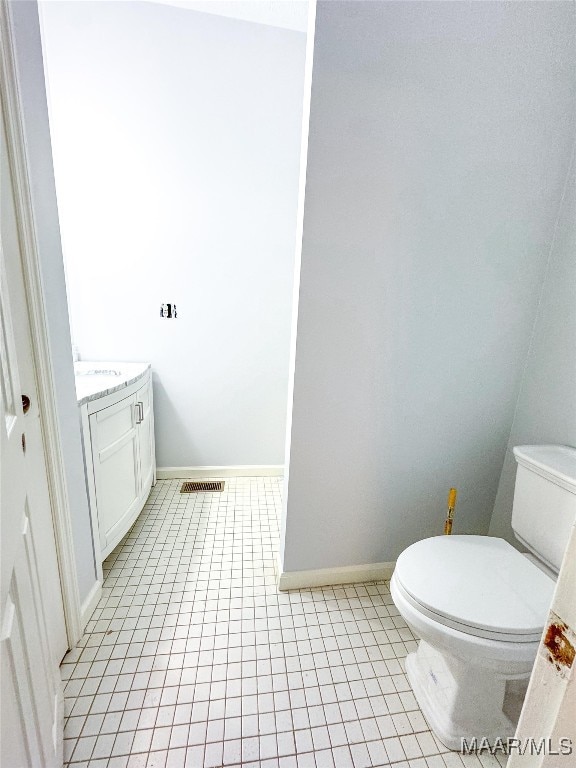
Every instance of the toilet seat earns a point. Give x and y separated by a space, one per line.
479 585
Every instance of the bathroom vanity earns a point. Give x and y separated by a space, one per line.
117 417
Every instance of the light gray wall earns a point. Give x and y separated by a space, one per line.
37 136
176 142
546 410
440 135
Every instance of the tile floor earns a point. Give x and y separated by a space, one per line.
194 660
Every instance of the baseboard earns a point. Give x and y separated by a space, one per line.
325 577
239 470
88 606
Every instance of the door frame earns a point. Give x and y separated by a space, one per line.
59 501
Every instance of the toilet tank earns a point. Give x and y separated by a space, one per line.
544 500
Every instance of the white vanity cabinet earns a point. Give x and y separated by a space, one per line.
145 426
118 433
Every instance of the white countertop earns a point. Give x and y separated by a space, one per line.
96 379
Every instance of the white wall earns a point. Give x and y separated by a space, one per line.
440 135
176 141
41 176
546 409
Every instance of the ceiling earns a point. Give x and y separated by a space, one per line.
289 14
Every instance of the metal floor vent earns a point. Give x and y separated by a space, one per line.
199 486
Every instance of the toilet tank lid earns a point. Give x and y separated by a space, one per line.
555 462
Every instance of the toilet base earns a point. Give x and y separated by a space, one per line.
460 701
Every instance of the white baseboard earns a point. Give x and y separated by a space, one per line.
239 470
325 577
88 606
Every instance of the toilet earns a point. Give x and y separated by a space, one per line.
479 605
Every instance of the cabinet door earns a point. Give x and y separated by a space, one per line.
115 452
146 438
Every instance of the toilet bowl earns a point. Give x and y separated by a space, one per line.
479 606
460 595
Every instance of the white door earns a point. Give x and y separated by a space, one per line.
32 629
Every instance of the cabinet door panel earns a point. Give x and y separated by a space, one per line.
115 454
146 439
116 485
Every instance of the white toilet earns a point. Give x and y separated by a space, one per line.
479 606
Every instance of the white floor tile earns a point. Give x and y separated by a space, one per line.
192 659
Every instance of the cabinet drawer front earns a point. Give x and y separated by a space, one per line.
114 423
143 396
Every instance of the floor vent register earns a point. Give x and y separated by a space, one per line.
202 486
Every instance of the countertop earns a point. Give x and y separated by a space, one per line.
111 377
